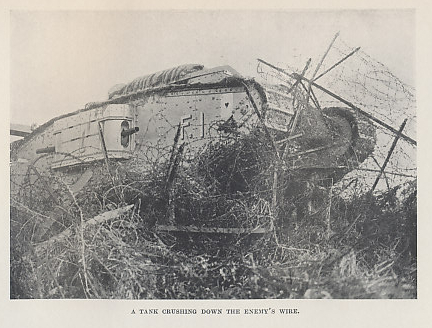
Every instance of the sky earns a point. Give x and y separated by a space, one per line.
61 60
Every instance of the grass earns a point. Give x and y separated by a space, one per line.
360 247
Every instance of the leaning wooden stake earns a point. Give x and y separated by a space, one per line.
170 182
173 155
272 142
294 120
104 149
389 154
319 66
260 117
338 63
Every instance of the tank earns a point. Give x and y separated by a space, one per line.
182 112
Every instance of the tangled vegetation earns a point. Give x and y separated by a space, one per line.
103 241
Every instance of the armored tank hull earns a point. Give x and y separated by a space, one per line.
175 113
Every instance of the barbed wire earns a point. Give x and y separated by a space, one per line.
371 86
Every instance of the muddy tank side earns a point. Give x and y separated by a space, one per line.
204 115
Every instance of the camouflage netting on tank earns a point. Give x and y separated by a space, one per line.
372 87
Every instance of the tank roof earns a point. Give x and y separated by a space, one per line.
157 79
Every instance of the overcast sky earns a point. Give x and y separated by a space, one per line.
62 60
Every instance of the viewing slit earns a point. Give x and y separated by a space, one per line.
125 136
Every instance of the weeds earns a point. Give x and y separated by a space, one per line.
370 251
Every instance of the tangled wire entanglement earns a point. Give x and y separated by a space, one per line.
324 233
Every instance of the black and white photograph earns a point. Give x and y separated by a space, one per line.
213 155
228 158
